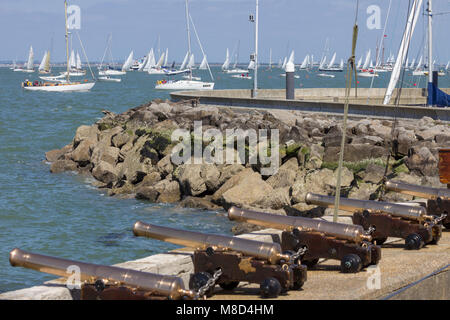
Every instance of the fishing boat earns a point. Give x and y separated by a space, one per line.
187 84
29 65
67 85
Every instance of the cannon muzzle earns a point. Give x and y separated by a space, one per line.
398 210
169 286
263 250
340 230
418 191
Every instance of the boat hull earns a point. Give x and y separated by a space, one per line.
63 88
185 85
111 73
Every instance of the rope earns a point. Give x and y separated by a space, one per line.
350 68
85 55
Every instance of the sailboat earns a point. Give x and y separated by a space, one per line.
67 86
158 67
236 59
109 69
330 67
44 67
29 65
226 64
189 84
366 70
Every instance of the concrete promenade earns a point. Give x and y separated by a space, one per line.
325 100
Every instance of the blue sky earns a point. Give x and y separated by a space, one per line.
302 25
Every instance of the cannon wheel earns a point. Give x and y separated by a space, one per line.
310 263
270 288
228 286
414 242
198 280
351 263
379 241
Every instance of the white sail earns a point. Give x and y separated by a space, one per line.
412 63
419 64
283 66
183 65
322 62
312 61
333 59
341 65
126 66
72 62
30 62
226 64
161 60
42 65
305 62
204 64
280 63
166 58
78 61
367 61
410 26
150 61
446 67
292 57
251 65
143 64
191 63
407 63
359 63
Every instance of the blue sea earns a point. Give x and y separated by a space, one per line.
62 214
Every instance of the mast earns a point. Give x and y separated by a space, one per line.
188 37
67 43
255 79
430 49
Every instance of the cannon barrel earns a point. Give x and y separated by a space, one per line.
340 230
398 210
418 191
263 250
169 286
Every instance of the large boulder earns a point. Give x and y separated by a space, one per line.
54 155
82 153
191 181
285 177
84 133
63 165
101 152
423 162
105 173
164 191
354 153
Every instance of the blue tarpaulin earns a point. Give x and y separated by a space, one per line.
437 97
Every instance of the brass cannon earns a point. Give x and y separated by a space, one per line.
99 282
230 260
346 243
411 223
438 200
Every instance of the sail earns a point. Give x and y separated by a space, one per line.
251 65
359 63
126 66
341 65
322 63
204 64
30 62
226 64
446 67
191 63
333 59
419 64
166 58
410 26
367 61
42 65
283 66
312 61
72 62
183 65
150 63
305 62
78 61
292 57
412 63
161 60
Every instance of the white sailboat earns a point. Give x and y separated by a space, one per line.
226 64
418 71
204 64
236 60
109 69
29 65
67 86
129 62
305 63
330 67
188 84
366 70
44 67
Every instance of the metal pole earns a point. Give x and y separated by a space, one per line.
255 79
430 51
189 37
290 86
67 43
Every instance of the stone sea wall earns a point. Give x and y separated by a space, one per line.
129 155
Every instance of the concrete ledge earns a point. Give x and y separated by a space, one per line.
329 101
